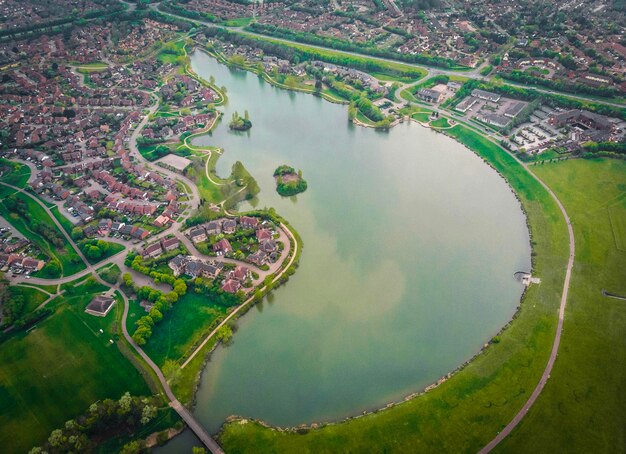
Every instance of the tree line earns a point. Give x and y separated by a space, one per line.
339 44
557 84
103 420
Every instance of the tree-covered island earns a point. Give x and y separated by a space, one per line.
238 123
288 181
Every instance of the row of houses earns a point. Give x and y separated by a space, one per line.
226 226
194 268
154 250
116 228
20 262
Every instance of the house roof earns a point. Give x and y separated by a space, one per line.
100 305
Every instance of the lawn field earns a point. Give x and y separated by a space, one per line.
59 368
465 412
167 57
440 123
187 322
423 117
583 406
617 216
65 222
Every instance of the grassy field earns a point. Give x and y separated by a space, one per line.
148 151
55 371
91 67
47 288
111 249
69 261
238 22
65 222
164 57
186 323
110 273
465 412
32 297
423 117
19 174
582 408
440 123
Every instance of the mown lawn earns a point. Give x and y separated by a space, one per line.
440 123
165 57
55 371
583 406
466 412
184 325
65 222
423 117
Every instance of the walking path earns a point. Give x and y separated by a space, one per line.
245 303
559 329
189 419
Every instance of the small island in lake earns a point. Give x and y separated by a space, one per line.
238 123
288 181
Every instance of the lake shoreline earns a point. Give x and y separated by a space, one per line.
443 378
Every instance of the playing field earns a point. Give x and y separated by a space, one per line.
583 406
55 371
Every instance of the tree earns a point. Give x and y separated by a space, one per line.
156 315
128 279
77 233
125 403
180 287
225 334
56 438
93 252
148 413
133 447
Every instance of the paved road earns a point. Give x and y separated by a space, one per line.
189 419
60 227
194 197
118 258
432 71
284 228
557 337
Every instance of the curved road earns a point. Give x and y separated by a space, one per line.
284 228
431 71
194 201
557 337
174 402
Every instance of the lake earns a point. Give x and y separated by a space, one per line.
410 245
